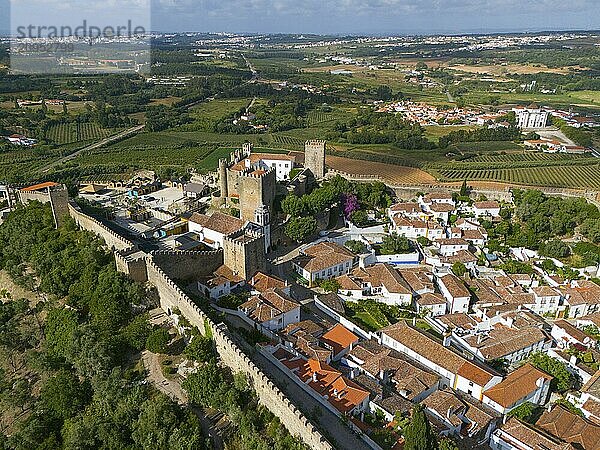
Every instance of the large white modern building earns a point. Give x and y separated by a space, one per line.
531 118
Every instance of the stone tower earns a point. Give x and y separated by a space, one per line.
314 158
256 188
59 201
244 253
223 179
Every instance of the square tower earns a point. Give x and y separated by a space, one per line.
314 158
244 253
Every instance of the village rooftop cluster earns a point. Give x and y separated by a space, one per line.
368 331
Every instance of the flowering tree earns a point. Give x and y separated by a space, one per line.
350 203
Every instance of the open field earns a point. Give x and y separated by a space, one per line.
218 108
394 175
521 69
434 133
584 176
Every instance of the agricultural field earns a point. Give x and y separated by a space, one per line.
218 108
392 174
435 132
123 158
68 133
575 176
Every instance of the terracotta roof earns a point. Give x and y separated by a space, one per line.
593 407
263 282
458 320
502 341
583 292
256 157
339 338
517 385
39 187
219 222
407 207
435 352
417 279
571 330
592 386
451 241
323 255
333 301
441 207
268 305
455 286
545 291
429 299
486 205
520 433
342 393
463 256
569 427
453 407
377 275
221 276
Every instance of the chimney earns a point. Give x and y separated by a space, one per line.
447 339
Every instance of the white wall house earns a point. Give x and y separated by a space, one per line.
450 246
380 282
271 310
486 209
531 118
213 229
456 294
323 261
455 371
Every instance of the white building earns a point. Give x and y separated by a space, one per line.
380 282
486 209
213 229
271 310
531 118
323 261
455 371
456 294
451 246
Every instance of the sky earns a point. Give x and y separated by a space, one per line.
316 16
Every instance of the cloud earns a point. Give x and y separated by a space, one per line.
328 16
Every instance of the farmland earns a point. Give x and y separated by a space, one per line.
577 176
68 133
392 174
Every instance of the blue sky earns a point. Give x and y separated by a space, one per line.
323 16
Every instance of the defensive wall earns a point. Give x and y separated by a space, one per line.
188 264
144 267
112 239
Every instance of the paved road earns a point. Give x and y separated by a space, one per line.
98 144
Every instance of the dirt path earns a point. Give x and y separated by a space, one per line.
15 291
174 391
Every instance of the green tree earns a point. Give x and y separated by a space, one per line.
418 434
525 412
459 269
331 285
447 444
555 249
64 395
299 228
563 379
292 205
394 244
356 247
200 348
359 218
158 340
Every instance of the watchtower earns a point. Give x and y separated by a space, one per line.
314 158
